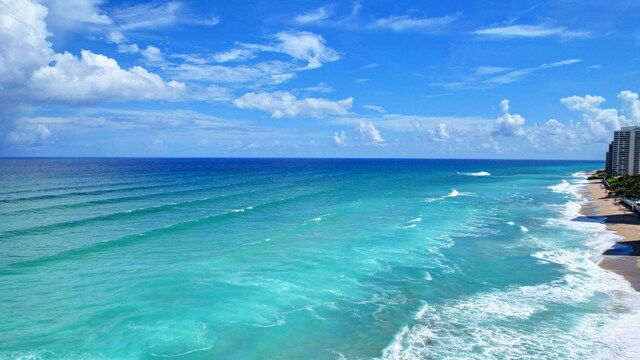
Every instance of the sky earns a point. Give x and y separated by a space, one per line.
409 79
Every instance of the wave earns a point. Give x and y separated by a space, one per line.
523 229
316 219
498 323
149 234
452 194
418 219
479 173
409 226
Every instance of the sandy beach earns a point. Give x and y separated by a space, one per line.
624 223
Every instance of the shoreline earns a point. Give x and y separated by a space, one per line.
623 258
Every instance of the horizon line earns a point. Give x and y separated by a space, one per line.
282 158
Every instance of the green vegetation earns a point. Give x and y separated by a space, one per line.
627 185
601 174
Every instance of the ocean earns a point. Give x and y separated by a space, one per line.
305 259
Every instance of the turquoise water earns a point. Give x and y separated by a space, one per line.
304 259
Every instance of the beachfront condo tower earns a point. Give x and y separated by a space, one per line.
623 157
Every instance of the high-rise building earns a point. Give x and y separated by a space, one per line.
623 157
608 166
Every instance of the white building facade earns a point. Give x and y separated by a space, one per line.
623 157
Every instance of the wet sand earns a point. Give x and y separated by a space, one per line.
625 223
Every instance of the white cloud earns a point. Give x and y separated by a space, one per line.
320 87
151 53
553 136
300 46
316 15
489 70
120 119
630 105
305 46
284 104
340 139
529 31
237 54
31 136
508 124
94 78
367 135
490 76
405 22
29 66
23 42
264 73
153 15
519 74
597 123
376 108
439 133
128 48
491 145
67 14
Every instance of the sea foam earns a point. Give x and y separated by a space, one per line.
494 324
479 173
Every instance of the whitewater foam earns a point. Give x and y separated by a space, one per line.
452 194
496 324
479 173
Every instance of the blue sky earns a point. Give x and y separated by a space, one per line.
472 79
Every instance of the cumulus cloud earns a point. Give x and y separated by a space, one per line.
553 136
31 136
529 31
151 53
491 145
340 139
23 41
284 104
367 135
598 123
508 124
594 126
630 105
440 133
94 77
305 46
29 66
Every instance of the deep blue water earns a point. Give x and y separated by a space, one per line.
304 259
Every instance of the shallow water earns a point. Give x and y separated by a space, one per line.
314 259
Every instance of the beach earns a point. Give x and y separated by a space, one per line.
625 223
